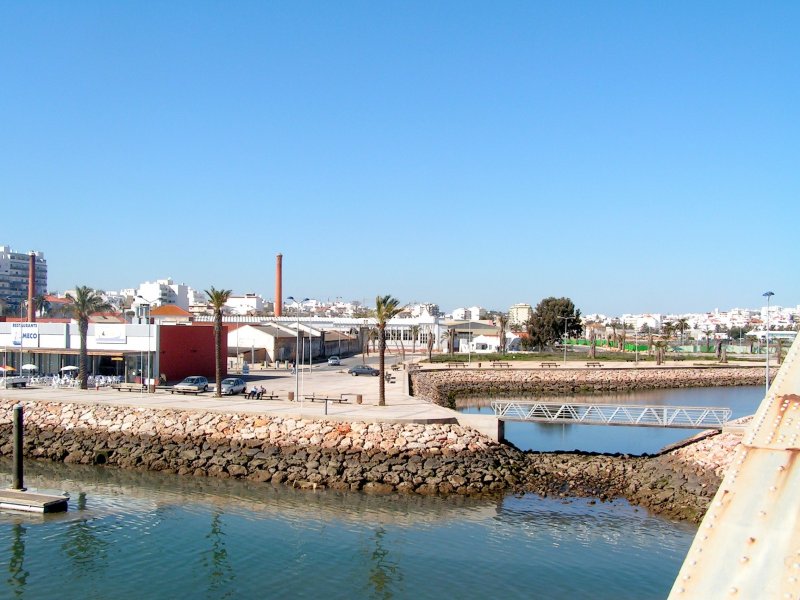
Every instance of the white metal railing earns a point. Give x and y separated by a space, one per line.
687 417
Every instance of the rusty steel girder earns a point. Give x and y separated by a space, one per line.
748 544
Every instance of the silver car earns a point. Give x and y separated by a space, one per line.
232 385
195 383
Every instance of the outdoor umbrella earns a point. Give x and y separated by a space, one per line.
68 368
7 369
29 367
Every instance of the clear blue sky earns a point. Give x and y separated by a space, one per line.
632 156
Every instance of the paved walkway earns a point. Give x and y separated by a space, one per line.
321 382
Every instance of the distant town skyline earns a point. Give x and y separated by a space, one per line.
630 157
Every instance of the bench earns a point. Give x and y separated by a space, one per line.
395 367
456 365
414 367
129 387
594 364
503 364
179 390
262 396
315 398
549 364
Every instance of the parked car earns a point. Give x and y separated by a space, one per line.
363 370
196 383
232 385
333 361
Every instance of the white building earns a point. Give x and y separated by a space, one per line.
473 313
246 304
519 314
166 291
14 276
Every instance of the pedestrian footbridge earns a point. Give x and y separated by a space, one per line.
685 417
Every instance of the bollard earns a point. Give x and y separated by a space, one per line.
326 406
359 399
17 477
291 396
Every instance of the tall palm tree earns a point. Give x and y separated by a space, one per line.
85 302
503 321
682 325
386 307
217 299
708 333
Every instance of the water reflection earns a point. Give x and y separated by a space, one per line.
83 544
16 565
216 560
384 574
132 534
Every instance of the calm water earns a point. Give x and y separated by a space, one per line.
146 535
631 440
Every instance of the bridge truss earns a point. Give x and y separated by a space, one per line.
638 415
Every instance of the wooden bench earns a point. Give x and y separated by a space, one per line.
414 367
502 364
262 396
594 364
549 364
174 390
129 387
456 365
315 398
395 367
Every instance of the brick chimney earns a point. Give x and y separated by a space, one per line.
31 286
279 285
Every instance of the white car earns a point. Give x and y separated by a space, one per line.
333 361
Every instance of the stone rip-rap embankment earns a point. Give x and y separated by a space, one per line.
442 386
372 457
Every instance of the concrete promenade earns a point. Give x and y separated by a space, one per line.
321 381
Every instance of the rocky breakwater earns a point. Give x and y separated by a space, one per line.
443 386
372 457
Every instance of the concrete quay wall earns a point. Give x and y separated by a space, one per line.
442 386
372 457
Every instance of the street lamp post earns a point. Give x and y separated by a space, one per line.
144 308
296 347
768 295
566 320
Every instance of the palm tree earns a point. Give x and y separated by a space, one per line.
414 336
41 305
682 325
592 343
217 299
667 329
708 333
386 307
85 302
503 321
661 348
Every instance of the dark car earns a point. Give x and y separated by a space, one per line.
363 370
